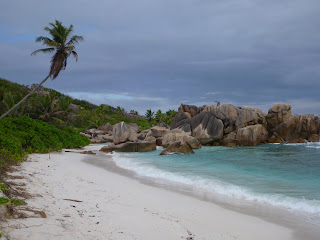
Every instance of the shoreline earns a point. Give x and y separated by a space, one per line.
121 207
298 221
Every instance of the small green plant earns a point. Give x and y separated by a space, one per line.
17 202
4 201
2 186
14 202
1 234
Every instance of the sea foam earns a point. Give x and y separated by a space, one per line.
140 168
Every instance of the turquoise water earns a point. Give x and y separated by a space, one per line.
286 176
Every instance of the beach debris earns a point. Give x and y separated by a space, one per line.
73 200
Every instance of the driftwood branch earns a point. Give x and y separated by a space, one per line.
67 199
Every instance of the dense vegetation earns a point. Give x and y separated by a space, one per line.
49 120
61 110
22 135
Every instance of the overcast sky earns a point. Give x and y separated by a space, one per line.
157 54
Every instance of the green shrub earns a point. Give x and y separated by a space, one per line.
4 201
22 135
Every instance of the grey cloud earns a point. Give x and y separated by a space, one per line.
250 52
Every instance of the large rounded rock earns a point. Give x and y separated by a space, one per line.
180 120
206 127
107 138
252 135
236 117
249 116
278 114
151 139
106 128
290 128
177 147
225 112
308 124
230 140
123 132
192 142
175 135
134 127
158 131
298 127
190 109
178 135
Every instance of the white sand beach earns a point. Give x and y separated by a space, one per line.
112 206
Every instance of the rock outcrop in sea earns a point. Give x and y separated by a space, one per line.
229 125
211 125
285 127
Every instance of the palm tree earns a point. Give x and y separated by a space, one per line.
62 45
159 116
134 112
149 115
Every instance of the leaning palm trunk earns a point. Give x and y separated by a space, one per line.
23 99
63 49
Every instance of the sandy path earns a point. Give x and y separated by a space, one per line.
118 207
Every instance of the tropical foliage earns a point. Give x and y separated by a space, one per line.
57 109
22 135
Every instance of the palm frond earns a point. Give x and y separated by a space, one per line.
69 30
47 41
44 50
42 39
75 39
56 31
75 55
70 48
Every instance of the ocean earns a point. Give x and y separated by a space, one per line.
284 176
